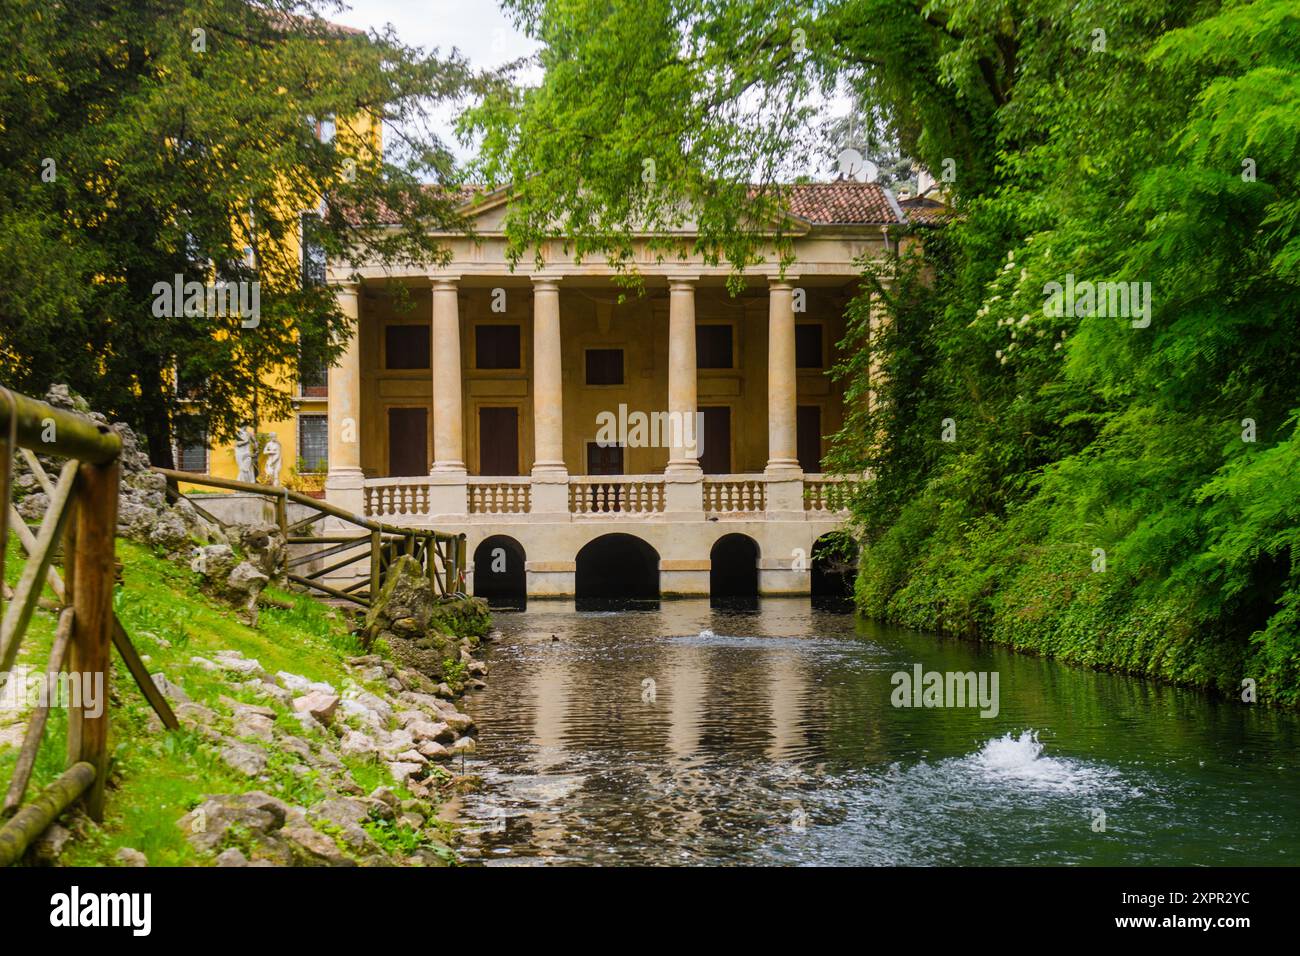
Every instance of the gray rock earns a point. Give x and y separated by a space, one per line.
47 848
249 724
404 771
172 691
398 741
434 750
457 721
293 682
244 759
237 663
464 745
256 813
426 730
213 561
315 848
129 857
232 857
319 704
195 715
355 744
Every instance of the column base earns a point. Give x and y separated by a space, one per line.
448 492
345 487
549 491
684 491
785 494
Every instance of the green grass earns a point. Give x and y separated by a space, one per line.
158 776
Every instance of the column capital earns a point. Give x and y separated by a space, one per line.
682 281
782 282
546 281
444 282
347 287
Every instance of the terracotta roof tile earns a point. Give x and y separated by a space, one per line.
842 203
924 211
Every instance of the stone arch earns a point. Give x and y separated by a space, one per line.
500 573
833 563
617 565
733 567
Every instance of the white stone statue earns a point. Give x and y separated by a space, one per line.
271 467
246 453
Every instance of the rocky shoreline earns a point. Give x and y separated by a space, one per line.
321 773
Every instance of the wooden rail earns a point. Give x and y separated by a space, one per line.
82 513
442 555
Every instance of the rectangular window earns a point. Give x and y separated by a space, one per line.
808 346
808 438
604 366
193 455
313 253
498 441
496 346
315 378
408 442
313 443
406 347
713 346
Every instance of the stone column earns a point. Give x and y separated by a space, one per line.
684 453
447 492
550 477
784 476
782 447
448 416
684 480
344 481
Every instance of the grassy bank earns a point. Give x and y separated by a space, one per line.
159 776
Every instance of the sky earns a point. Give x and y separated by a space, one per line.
477 28
480 30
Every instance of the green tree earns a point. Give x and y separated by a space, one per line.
1120 489
140 141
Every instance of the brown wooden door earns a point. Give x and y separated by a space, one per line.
604 459
715 450
808 437
498 441
408 441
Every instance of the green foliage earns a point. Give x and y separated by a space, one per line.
179 137
1101 499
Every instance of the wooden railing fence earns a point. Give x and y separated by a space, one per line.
441 554
82 516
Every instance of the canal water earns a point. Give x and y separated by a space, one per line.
685 734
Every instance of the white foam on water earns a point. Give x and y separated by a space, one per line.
707 634
1020 761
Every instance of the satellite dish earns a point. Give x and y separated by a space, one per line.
852 165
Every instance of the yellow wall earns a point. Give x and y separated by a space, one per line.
362 138
591 318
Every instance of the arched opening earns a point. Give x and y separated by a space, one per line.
617 566
499 573
733 567
834 565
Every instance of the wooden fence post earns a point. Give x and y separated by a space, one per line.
462 558
89 659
